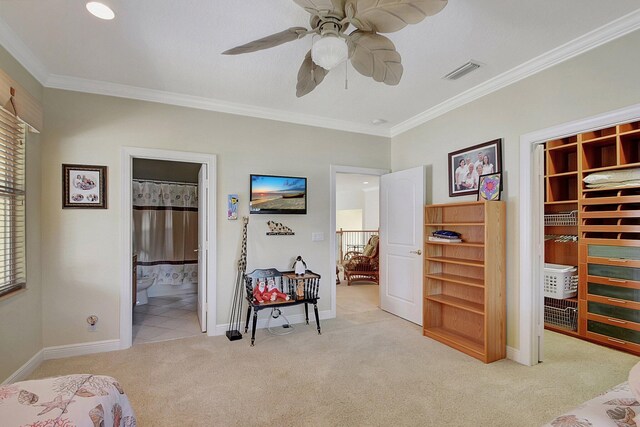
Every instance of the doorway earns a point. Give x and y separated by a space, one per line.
334 250
165 234
532 225
167 281
357 231
401 209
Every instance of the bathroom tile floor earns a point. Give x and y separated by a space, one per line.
166 318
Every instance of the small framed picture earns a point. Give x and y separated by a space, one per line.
489 186
232 207
84 186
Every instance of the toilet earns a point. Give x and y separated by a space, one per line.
143 285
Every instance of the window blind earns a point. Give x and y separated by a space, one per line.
12 203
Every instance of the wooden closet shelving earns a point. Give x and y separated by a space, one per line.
608 228
464 286
561 178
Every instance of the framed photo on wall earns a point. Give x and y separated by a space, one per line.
84 186
466 166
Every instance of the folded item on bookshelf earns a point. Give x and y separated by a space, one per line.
446 234
446 240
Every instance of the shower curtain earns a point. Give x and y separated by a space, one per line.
165 231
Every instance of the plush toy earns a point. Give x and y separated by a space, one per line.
260 292
275 292
299 267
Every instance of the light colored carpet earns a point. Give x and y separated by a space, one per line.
367 368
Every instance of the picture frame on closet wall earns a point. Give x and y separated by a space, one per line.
467 165
84 186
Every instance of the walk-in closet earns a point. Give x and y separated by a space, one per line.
592 236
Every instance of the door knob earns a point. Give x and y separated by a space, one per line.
418 252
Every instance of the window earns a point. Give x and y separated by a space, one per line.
12 201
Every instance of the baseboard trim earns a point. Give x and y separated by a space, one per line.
514 354
61 351
25 370
294 319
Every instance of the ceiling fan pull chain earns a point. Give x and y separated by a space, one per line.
346 75
313 65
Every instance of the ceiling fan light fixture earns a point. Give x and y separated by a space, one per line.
100 10
329 51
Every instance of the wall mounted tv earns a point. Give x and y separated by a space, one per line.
278 195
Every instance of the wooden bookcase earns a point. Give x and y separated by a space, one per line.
465 283
608 226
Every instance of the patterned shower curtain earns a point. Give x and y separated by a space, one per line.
165 231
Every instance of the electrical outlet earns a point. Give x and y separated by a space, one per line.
93 323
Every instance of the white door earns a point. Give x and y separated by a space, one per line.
203 245
538 233
401 231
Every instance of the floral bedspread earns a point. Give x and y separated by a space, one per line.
616 408
68 401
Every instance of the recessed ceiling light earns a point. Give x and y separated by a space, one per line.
100 10
378 121
365 182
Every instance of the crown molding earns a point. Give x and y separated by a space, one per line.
190 101
611 31
15 46
582 44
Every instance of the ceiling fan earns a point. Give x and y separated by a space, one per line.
371 54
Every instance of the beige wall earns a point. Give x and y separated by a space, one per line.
83 247
21 315
601 80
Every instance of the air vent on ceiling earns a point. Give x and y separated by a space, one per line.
462 71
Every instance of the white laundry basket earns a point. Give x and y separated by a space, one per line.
560 281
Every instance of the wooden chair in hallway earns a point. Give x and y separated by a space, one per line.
363 265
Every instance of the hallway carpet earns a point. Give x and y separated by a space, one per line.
367 368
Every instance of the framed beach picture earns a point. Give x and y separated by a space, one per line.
466 166
489 186
84 186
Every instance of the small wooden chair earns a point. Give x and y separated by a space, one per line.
363 265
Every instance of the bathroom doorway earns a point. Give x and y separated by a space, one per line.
165 245
176 293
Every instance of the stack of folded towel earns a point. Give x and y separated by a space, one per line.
613 179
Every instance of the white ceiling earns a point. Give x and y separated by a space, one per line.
350 182
170 51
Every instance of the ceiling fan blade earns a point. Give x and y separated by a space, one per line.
387 16
310 75
314 5
374 55
291 34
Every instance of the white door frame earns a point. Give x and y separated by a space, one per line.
128 154
531 297
336 169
